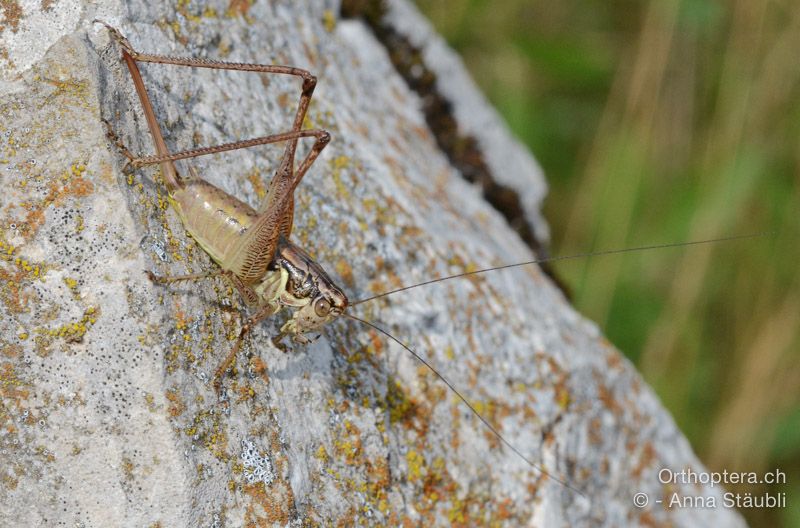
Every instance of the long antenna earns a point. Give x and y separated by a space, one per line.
565 257
508 444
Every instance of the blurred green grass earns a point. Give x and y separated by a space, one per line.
660 121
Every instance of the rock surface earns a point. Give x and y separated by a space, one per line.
108 415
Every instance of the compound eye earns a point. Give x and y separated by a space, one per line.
322 307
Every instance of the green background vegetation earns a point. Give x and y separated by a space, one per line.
660 121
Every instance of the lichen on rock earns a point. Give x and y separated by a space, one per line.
108 415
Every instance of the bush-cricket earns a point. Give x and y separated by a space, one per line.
252 247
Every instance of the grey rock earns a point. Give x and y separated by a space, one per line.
510 162
108 415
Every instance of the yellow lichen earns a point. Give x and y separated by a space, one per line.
257 181
329 20
71 332
416 463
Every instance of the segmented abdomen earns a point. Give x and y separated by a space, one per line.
215 219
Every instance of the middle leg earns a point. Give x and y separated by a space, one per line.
161 279
247 327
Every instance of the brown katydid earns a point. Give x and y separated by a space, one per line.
252 247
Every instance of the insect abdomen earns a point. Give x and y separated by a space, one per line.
215 219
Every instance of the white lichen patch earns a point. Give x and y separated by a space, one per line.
257 467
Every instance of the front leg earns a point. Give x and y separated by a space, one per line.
300 339
277 341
